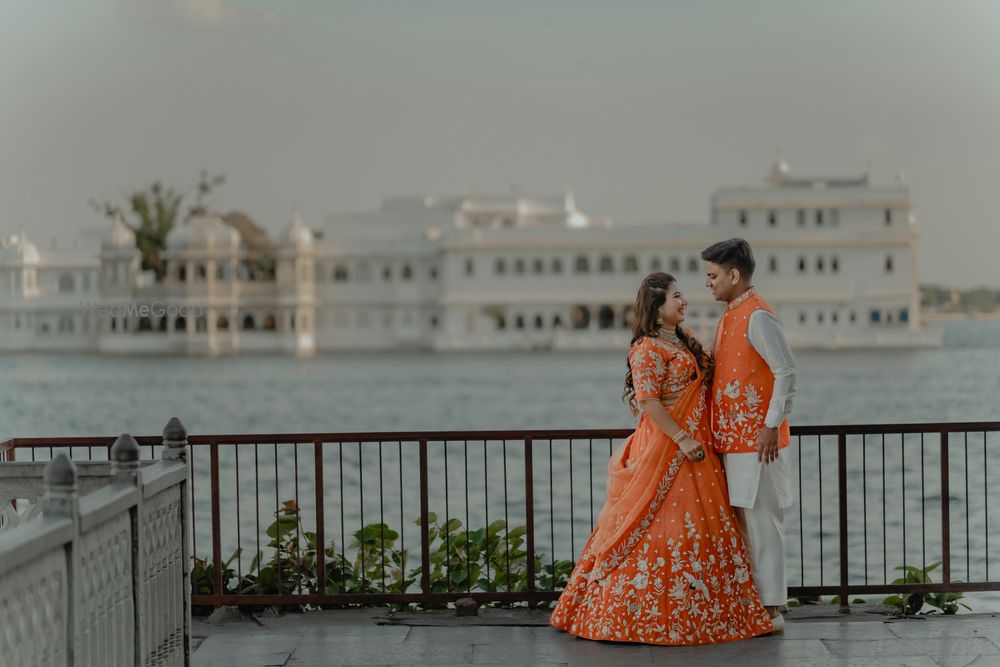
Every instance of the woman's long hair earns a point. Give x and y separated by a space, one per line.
652 294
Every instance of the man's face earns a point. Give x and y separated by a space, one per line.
721 282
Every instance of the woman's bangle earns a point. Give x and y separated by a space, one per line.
681 435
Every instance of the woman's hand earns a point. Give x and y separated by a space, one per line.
692 448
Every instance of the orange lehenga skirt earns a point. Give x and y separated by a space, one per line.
666 563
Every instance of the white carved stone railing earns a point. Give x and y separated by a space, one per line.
102 578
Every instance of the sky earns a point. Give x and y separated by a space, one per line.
643 108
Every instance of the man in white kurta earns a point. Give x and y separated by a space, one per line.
760 491
753 386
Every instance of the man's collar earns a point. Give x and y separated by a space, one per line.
735 303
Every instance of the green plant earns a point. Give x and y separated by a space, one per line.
912 603
488 559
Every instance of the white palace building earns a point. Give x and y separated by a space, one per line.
836 257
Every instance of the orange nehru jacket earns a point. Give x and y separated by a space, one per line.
742 384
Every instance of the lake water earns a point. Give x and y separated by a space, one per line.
71 395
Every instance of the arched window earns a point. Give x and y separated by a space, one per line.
556 265
630 264
888 263
693 265
66 323
222 323
221 271
835 264
181 273
407 272
340 274
200 323
772 264
655 265
820 264
162 324
202 272
501 322
500 267
606 264
802 264
539 265
581 317
518 265
145 323
519 322
557 321
605 317
675 265
248 323
270 324
538 322
180 324
582 264
66 283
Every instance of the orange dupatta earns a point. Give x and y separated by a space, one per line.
636 491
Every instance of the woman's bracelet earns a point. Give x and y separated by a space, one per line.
681 435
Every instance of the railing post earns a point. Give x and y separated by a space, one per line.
175 446
125 469
945 513
845 607
61 499
320 519
529 517
425 542
217 523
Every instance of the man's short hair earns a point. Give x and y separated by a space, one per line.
732 253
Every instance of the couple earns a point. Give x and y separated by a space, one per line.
689 548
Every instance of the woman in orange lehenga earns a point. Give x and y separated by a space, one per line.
666 563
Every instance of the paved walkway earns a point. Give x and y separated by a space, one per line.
816 636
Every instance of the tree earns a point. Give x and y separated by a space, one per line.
154 210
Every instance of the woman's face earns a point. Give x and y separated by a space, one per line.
672 311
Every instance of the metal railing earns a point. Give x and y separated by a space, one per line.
871 499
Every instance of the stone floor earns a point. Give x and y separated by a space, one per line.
815 636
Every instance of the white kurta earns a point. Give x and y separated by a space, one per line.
760 492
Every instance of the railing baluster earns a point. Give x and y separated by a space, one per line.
381 515
239 538
945 512
822 553
320 518
864 496
968 547
529 518
923 509
842 494
277 511
425 542
216 523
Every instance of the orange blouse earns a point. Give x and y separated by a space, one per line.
659 368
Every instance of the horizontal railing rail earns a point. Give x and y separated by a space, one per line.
431 516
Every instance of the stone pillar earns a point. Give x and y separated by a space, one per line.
125 459
61 492
175 441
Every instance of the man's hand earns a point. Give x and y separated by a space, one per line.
767 444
